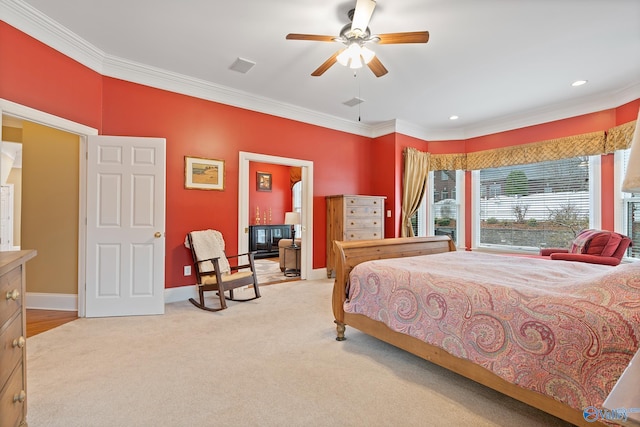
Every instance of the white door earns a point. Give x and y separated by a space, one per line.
125 226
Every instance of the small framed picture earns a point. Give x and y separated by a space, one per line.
263 181
203 174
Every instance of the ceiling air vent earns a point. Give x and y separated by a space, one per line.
242 65
353 102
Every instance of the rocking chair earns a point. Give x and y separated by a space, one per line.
213 271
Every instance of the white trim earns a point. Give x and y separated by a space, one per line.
31 21
619 225
49 301
475 209
460 200
595 192
306 260
13 109
180 293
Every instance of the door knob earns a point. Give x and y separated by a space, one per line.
157 235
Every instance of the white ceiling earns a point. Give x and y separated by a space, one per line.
498 64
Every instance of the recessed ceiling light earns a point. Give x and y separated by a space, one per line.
453 117
579 83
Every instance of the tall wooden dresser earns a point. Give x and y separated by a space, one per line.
352 218
13 338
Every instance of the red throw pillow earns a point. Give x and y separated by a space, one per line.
612 244
580 244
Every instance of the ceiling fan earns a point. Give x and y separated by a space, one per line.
355 36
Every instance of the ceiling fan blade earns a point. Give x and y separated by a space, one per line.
362 15
326 64
376 66
412 37
311 37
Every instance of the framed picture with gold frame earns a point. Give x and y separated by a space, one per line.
203 174
263 181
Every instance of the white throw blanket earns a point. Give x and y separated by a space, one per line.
209 244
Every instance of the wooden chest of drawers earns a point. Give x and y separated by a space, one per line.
352 218
13 338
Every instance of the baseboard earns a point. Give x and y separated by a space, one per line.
46 301
181 293
69 302
318 274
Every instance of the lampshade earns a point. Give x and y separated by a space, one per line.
292 218
631 182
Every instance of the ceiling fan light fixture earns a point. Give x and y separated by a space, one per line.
355 56
367 54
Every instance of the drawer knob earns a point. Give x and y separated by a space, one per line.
352 236
19 342
352 212
20 397
375 222
375 234
14 295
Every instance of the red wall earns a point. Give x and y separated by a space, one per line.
202 128
37 76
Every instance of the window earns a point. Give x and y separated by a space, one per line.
296 203
536 205
630 210
441 213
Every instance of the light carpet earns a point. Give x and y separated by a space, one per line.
268 271
273 361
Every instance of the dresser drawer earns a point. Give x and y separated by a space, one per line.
362 234
10 288
360 211
11 346
363 201
12 399
355 223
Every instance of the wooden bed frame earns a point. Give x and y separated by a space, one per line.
350 254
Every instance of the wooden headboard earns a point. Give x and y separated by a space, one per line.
350 254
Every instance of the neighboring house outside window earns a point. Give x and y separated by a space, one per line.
441 212
536 205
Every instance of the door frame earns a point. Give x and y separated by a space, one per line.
306 256
23 112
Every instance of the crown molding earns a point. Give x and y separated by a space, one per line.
36 24
39 26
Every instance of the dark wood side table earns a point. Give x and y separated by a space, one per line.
292 272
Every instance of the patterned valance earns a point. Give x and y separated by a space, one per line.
619 137
441 162
562 148
588 144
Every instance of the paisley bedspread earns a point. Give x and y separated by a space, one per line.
564 329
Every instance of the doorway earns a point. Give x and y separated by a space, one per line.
12 111
244 180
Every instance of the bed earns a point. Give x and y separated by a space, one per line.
553 334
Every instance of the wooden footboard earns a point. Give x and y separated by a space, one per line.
350 254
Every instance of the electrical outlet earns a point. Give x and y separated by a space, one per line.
187 270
